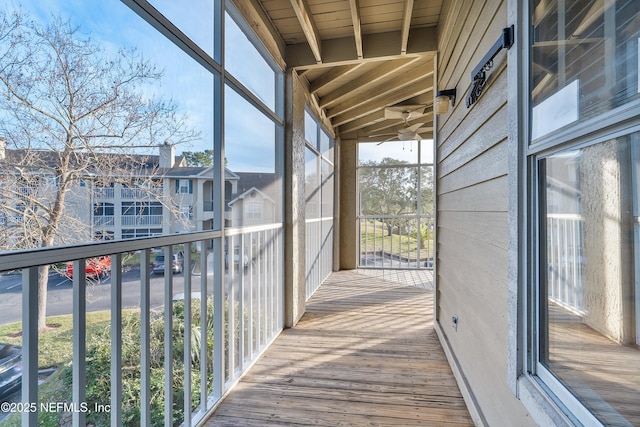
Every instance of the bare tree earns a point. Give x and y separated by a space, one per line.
71 113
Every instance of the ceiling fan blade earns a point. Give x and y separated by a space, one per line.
415 127
387 140
425 129
408 135
398 111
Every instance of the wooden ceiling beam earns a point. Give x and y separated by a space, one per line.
406 25
363 122
309 28
384 70
357 26
394 125
376 47
386 88
331 76
388 98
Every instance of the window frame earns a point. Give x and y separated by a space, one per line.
544 396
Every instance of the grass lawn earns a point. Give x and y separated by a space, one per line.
376 238
55 350
54 345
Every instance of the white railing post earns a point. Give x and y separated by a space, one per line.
204 356
79 358
168 336
255 315
231 344
218 320
30 345
116 340
186 272
145 339
241 271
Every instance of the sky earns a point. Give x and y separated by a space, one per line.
249 135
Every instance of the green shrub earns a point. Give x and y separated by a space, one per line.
98 379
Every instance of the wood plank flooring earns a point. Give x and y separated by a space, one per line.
603 374
364 354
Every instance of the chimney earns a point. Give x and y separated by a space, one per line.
167 155
3 148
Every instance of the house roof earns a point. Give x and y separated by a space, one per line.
250 191
145 164
258 180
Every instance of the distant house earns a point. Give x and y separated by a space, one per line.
162 195
253 202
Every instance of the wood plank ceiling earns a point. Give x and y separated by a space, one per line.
361 57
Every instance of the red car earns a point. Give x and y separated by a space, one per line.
96 267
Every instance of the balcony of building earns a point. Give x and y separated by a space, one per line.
364 353
478 268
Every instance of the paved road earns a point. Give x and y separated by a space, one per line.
60 298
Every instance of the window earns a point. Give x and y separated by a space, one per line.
104 235
132 233
260 77
103 209
590 226
253 152
312 184
254 210
184 186
141 213
186 212
196 21
395 204
585 61
310 130
584 166
170 88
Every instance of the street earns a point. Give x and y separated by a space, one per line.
60 297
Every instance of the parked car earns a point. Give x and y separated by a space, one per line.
157 267
10 369
99 267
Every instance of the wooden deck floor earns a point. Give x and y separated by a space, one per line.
364 354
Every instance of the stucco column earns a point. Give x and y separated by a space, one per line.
294 202
348 205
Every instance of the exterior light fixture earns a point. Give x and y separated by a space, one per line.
443 97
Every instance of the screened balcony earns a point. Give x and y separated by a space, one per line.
155 321
364 353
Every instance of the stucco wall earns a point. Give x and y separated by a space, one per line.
603 238
294 203
472 211
348 235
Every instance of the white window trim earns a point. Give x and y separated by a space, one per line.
547 400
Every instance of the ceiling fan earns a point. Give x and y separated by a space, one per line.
404 112
409 133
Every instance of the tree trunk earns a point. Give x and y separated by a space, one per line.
43 281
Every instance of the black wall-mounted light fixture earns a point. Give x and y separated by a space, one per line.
479 74
443 98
